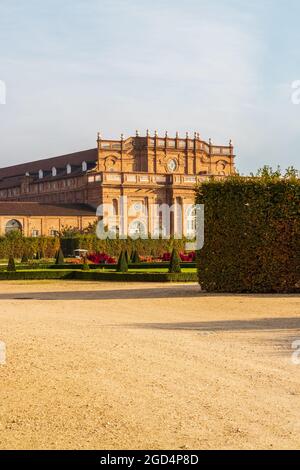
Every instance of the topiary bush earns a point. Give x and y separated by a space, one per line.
135 258
175 261
11 267
85 266
24 258
60 257
122 266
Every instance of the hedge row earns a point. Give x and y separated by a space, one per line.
47 247
17 246
155 248
35 275
137 267
97 276
252 235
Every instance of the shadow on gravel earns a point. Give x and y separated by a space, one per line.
264 324
128 292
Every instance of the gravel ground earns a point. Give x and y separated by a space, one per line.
122 366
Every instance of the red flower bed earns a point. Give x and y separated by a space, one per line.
101 258
185 257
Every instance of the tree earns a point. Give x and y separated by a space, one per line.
292 173
122 266
175 261
60 257
11 264
267 172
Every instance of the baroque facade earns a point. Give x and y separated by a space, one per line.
145 170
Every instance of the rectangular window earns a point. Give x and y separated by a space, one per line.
35 233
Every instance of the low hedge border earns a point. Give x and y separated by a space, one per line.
130 266
96 276
35 275
71 267
136 277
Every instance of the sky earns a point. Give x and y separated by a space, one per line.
223 68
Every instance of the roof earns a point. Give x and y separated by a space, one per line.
39 209
75 159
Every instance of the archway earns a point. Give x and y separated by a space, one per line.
13 226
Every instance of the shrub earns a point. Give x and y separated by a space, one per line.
60 257
135 258
174 266
127 256
252 235
97 276
85 266
24 258
11 267
122 266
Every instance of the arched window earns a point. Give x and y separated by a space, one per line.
54 171
13 226
69 169
115 207
84 166
191 221
41 174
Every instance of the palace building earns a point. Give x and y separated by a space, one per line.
44 196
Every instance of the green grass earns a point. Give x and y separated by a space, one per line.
150 271
97 275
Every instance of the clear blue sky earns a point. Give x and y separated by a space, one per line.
221 67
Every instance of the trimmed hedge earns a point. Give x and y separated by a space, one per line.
252 235
140 266
47 247
35 275
136 277
17 246
90 242
97 276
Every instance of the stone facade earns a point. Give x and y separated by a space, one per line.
146 170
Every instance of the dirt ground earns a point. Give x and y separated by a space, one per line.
146 366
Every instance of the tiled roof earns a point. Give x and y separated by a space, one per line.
15 209
75 159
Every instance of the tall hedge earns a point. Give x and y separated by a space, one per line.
19 246
252 235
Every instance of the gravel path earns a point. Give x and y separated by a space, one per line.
116 366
